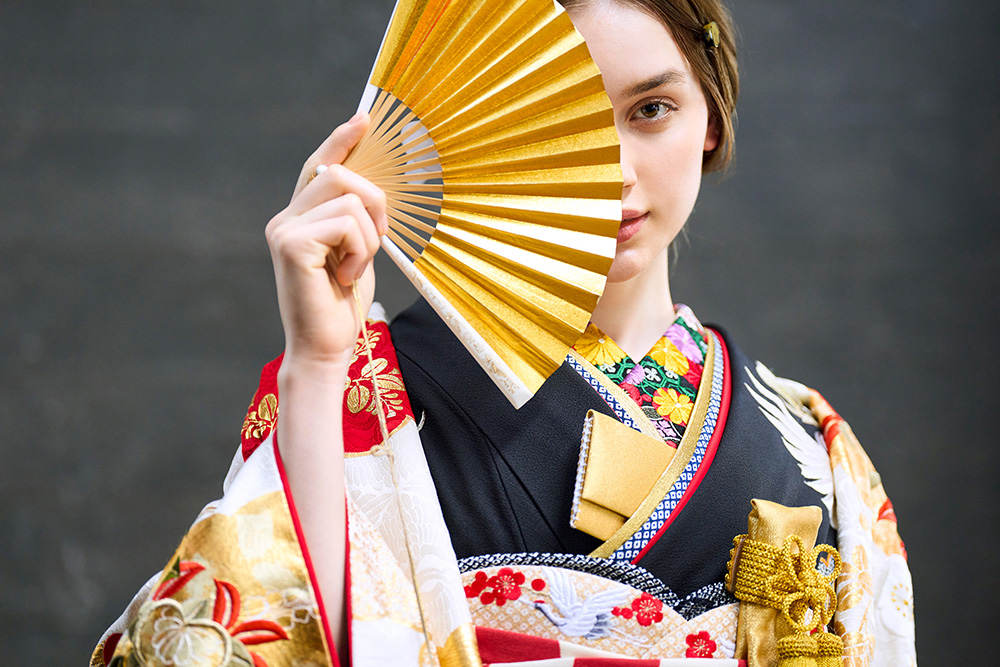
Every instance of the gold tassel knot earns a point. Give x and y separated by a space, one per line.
785 578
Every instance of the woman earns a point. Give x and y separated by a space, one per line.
550 567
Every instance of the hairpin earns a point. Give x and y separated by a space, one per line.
710 33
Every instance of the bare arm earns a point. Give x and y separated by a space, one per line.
320 243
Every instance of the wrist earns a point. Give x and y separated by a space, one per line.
317 373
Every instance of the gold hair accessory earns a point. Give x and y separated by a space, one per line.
710 33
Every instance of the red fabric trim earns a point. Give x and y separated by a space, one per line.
110 644
360 426
347 585
614 662
706 462
504 646
334 661
250 441
361 429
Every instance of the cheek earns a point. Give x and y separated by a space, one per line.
670 173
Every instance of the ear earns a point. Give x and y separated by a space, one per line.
712 135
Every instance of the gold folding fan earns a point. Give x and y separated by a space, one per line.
494 141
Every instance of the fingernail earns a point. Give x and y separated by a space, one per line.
355 118
320 168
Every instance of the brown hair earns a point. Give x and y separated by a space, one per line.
716 67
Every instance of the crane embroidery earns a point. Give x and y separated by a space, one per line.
590 618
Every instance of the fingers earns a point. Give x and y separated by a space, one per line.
339 230
335 149
360 242
338 181
343 234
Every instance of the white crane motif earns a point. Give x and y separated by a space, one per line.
810 453
589 618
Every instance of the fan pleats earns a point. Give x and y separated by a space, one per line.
495 144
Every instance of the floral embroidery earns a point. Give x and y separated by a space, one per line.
390 384
476 587
646 609
635 376
634 392
624 612
505 585
667 355
693 375
598 348
670 431
674 364
700 645
197 631
360 349
681 337
673 405
260 421
288 607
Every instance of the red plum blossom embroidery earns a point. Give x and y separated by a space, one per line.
646 609
700 645
503 586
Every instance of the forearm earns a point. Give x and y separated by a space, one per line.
310 439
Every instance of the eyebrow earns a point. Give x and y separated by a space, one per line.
671 76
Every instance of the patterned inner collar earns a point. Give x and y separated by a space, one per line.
663 383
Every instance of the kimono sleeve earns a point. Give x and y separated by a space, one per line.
239 590
874 615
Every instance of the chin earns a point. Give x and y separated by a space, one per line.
626 267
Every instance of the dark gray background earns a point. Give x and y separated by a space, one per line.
144 145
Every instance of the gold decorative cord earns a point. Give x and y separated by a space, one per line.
386 450
785 578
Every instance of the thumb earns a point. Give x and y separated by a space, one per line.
335 149
337 146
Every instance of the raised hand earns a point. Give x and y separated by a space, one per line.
322 241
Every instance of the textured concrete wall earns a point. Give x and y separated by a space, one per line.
143 146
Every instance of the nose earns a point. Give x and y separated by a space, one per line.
628 171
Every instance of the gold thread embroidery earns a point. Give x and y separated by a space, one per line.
260 421
390 383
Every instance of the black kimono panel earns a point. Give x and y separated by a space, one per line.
505 478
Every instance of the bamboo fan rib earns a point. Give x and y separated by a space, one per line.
495 144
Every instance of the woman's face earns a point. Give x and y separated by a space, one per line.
662 122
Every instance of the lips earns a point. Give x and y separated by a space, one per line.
632 222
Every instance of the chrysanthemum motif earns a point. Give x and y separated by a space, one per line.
666 354
681 337
673 405
597 348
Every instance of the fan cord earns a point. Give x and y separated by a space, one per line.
386 450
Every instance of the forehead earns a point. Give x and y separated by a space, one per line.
628 45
